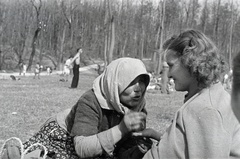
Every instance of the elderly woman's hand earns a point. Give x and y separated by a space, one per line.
133 122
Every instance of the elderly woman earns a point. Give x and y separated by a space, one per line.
100 124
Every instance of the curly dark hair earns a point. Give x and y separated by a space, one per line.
200 56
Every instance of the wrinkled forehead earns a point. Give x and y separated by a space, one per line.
123 71
129 72
125 66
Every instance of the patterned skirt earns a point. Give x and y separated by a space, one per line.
57 141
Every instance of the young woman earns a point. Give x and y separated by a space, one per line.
100 124
205 126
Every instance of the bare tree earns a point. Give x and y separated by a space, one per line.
216 24
37 7
106 32
124 21
112 40
204 16
159 61
109 33
67 10
231 35
137 27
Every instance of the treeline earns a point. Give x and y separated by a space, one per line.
34 30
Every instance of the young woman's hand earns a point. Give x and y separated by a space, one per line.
151 133
144 143
133 122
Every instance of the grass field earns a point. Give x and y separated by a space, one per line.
28 103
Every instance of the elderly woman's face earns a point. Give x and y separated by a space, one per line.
132 96
183 80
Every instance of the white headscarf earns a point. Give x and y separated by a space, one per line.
115 79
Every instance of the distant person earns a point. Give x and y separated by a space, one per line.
227 80
49 70
171 85
100 124
205 126
164 78
76 66
41 68
67 68
236 86
37 71
20 68
24 69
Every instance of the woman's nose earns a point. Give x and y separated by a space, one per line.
137 87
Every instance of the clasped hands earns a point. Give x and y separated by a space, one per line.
135 122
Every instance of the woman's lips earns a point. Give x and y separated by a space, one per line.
137 97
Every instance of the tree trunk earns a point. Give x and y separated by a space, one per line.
142 45
230 39
34 42
1 60
112 42
105 48
124 47
106 31
36 33
61 48
162 66
157 37
159 65
205 16
215 31
187 10
68 16
164 88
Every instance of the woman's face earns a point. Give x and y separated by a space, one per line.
183 80
132 96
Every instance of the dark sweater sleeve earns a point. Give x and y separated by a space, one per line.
86 117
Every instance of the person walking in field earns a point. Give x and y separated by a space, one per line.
67 68
20 65
24 69
37 71
49 70
76 66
